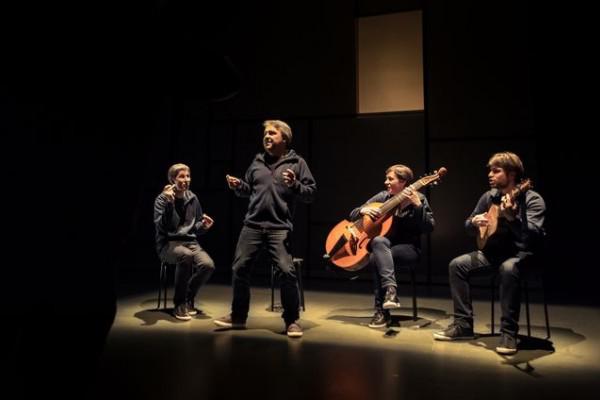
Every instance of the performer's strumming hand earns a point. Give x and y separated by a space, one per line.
480 220
232 181
374 213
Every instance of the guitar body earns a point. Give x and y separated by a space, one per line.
485 232
347 242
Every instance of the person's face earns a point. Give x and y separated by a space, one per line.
272 138
499 179
183 180
393 184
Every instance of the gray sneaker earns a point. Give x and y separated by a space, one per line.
455 332
294 330
507 345
391 300
380 319
227 322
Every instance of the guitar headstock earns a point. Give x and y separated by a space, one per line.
433 178
525 185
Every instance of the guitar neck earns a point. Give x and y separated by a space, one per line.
520 188
397 199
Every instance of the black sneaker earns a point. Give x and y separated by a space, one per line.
227 322
294 330
455 332
507 345
380 320
181 312
391 299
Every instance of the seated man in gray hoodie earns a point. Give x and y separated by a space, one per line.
178 219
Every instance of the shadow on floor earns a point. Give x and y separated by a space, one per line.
530 348
153 316
427 317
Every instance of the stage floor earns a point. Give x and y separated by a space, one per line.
151 355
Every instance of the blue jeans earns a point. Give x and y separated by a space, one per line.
277 244
384 258
477 263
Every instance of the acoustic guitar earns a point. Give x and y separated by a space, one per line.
346 245
485 232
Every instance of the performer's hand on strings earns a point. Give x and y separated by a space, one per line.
508 208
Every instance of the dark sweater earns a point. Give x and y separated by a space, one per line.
272 202
170 226
524 233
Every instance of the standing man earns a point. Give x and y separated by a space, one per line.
178 219
519 234
274 181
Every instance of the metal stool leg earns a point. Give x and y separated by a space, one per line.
160 285
165 285
413 283
272 287
546 310
298 266
526 287
493 300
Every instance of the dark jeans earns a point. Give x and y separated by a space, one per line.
385 258
193 267
477 263
277 244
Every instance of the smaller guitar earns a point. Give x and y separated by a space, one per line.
485 232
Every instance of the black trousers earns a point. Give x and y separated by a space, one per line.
277 244
509 268
193 268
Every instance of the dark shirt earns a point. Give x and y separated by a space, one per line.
172 224
524 233
272 202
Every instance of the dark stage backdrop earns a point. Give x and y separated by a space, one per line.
106 111
493 82
99 98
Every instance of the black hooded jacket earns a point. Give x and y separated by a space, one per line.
272 202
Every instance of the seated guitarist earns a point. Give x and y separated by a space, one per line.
401 246
519 231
